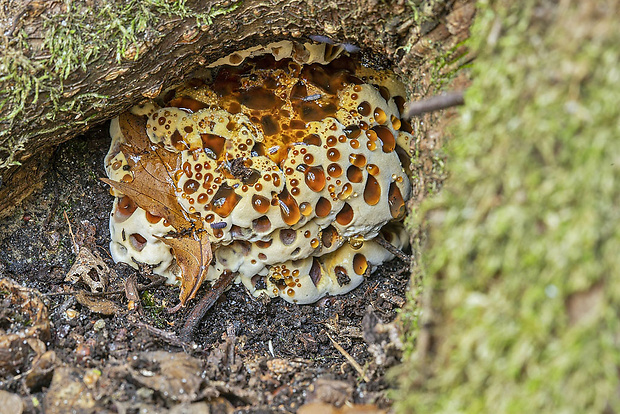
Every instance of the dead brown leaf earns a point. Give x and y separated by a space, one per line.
193 254
152 189
90 269
151 165
96 304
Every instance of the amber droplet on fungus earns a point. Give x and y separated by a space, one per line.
359 264
372 191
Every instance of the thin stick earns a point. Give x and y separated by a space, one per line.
349 358
207 301
166 336
434 103
141 288
392 249
76 248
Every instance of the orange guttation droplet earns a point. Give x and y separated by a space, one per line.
354 174
289 210
224 200
359 264
308 159
191 186
380 116
261 204
323 207
305 208
358 160
334 170
372 191
314 243
152 218
315 178
386 136
345 215
333 154
372 169
396 202
395 123
346 191
126 207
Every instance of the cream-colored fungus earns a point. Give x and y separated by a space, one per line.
291 155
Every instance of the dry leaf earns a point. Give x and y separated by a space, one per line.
152 187
153 190
193 254
90 269
96 304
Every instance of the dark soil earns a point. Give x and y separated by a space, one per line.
248 355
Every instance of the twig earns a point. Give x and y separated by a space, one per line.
207 301
141 288
76 248
349 358
392 249
434 103
166 336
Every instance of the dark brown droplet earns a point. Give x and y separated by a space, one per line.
264 244
364 108
354 174
188 104
137 241
372 191
125 208
386 136
191 186
396 202
345 215
289 210
270 125
224 201
323 207
213 142
312 139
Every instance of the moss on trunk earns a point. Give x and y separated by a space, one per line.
522 299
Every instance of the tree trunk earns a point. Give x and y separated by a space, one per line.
69 65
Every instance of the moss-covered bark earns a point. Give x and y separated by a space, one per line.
522 257
65 66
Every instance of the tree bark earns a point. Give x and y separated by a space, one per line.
68 69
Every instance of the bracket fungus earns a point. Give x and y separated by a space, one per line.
289 158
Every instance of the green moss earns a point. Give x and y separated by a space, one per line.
525 229
71 41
